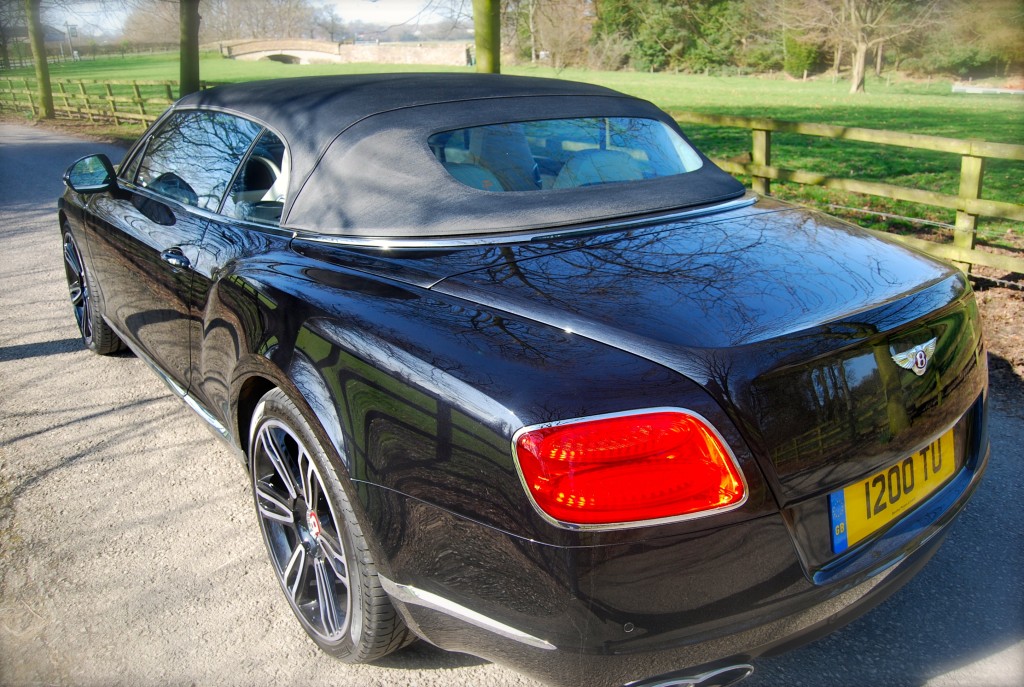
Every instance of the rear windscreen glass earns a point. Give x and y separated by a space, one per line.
557 154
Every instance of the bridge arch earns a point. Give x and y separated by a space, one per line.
283 58
300 51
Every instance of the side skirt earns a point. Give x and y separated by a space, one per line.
216 428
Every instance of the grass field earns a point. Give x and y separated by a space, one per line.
917 107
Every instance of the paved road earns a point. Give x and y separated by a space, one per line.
130 554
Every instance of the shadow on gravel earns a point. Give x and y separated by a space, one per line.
140 429
424 656
38 350
1005 385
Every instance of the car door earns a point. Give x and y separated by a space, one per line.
144 240
247 225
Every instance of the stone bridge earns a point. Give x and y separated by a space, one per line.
298 51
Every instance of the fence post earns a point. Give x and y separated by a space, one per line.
972 169
761 155
111 104
31 100
138 97
88 103
64 97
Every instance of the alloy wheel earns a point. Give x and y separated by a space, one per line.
78 286
302 533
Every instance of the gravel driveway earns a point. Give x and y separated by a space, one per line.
130 552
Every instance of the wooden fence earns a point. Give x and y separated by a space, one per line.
116 101
969 204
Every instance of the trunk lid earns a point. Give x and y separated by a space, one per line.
788 318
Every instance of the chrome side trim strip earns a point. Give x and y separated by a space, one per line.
219 430
549 234
208 215
418 597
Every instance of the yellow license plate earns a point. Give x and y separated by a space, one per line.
863 508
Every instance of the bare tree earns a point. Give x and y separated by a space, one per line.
152 22
519 26
272 18
563 29
871 23
861 26
12 13
329 21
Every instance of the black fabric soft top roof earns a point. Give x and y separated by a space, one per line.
360 164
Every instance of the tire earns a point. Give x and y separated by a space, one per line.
318 550
97 335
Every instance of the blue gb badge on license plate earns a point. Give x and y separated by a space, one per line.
837 508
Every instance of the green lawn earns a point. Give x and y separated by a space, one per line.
925 108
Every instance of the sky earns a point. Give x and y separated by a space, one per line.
385 11
96 18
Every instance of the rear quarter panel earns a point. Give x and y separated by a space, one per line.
420 393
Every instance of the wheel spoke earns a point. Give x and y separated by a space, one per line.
310 480
71 257
272 505
86 321
334 555
77 294
294 573
274 453
325 598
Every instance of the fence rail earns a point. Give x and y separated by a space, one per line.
116 101
968 203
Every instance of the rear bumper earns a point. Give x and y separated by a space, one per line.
615 614
814 623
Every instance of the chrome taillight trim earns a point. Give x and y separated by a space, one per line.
584 527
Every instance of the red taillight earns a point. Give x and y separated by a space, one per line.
627 469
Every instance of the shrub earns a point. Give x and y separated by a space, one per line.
800 56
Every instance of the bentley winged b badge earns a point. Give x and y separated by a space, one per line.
917 358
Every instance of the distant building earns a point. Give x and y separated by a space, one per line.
14 44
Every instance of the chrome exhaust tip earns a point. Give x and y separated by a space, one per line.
719 677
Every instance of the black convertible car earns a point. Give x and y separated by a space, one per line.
516 369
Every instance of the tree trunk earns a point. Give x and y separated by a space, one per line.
189 47
860 58
879 56
837 59
5 54
487 25
532 9
37 38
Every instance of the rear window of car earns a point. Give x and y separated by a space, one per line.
554 154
